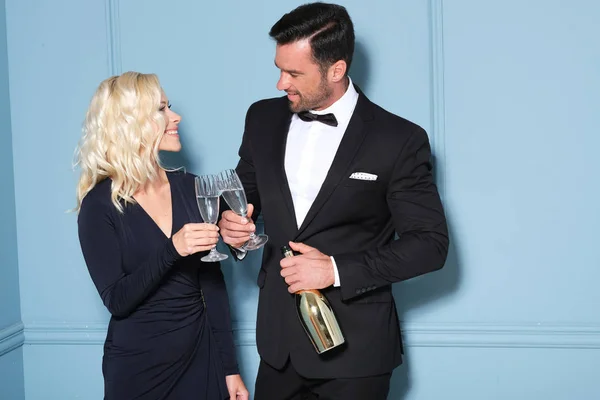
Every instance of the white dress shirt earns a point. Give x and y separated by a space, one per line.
310 149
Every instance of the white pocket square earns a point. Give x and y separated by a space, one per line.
363 176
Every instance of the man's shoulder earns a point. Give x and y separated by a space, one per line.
269 105
392 129
394 121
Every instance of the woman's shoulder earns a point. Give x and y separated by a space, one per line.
100 191
182 176
96 207
99 196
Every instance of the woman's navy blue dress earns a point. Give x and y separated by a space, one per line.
169 335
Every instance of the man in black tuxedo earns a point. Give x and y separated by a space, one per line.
335 177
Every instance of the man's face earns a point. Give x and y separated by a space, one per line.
301 78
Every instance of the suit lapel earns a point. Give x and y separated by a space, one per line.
351 142
279 139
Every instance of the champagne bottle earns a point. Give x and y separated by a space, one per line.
316 316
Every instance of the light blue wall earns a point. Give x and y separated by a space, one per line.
508 92
11 329
9 284
11 372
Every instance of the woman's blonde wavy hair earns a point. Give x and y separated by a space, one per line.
121 133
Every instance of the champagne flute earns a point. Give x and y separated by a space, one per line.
235 196
207 197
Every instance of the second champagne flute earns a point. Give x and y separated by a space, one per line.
234 195
207 196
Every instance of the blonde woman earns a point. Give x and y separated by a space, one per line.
169 335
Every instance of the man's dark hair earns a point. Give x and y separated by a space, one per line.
327 26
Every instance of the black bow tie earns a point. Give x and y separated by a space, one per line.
327 119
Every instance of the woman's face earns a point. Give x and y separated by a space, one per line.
170 138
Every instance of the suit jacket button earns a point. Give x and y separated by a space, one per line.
363 290
358 291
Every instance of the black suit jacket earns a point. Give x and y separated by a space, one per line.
353 220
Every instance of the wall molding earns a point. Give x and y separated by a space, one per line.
113 33
438 108
503 336
11 338
65 333
415 335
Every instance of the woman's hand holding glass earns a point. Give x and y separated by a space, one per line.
194 238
